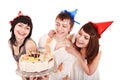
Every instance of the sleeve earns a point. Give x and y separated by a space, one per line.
42 41
63 59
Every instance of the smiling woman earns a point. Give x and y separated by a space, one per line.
86 50
20 41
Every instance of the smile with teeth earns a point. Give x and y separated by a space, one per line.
21 33
79 42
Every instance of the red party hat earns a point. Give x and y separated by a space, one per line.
20 13
102 26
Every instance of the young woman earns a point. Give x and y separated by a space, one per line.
63 25
20 41
87 52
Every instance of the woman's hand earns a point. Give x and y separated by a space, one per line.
72 50
44 77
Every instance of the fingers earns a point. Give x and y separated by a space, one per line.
45 77
51 33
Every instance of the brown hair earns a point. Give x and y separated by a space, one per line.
65 15
93 45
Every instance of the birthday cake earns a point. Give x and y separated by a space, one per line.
36 61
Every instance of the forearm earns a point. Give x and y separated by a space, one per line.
89 68
83 64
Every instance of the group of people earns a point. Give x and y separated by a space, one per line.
76 55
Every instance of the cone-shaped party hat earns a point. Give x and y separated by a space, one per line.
72 14
102 26
20 13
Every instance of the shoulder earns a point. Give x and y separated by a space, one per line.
42 40
71 37
30 41
30 45
45 36
98 56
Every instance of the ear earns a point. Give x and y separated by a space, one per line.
71 29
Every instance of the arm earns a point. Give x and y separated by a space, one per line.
30 45
42 41
88 68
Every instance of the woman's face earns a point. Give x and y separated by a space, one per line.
21 30
82 39
62 27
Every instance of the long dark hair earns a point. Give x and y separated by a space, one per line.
93 45
23 19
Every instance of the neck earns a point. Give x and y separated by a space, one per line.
19 41
59 39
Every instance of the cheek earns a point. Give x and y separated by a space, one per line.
86 43
68 31
65 30
28 32
15 31
77 36
77 45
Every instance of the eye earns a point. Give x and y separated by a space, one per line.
57 24
86 37
19 25
28 28
64 26
80 34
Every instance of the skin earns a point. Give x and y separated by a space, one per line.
61 31
21 31
82 40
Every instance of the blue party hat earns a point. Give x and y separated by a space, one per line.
72 14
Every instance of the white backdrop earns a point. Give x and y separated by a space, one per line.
43 14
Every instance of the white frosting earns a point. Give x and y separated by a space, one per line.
35 66
28 63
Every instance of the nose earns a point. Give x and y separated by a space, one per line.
22 29
60 28
81 38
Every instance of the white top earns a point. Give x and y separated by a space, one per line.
71 66
79 74
61 56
